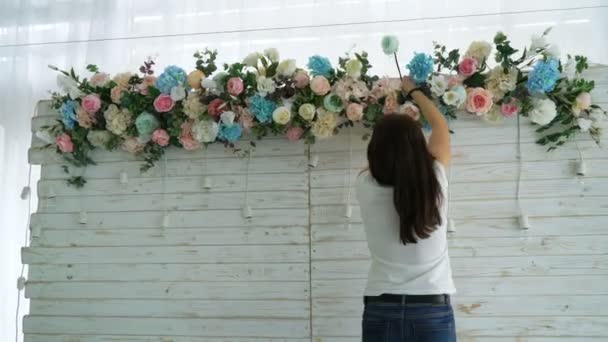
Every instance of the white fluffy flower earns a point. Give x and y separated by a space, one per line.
228 117
307 111
208 83
117 120
281 115
69 86
480 50
265 85
193 107
455 96
538 42
553 51
543 111
584 124
439 84
205 131
252 60
178 93
499 83
272 54
99 138
122 79
287 67
569 69
325 124
45 136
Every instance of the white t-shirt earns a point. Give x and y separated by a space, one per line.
416 269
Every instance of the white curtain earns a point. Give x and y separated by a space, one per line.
119 34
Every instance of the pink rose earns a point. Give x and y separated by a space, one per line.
131 145
91 103
245 118
85 119
354 112
65 144
163 103
301 79
468 66
116 94
320 85
234 86
479 101
294 133
99 79
390 104
147 82
509 109
410 110
160 137
454 80
186 138
216 107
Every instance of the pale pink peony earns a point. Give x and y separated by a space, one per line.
131 145
468 66
301 79
216 107
91 103
479 101
163 103
147 82
160 137
294 133
116 93
186 138
245 118
390 104
85 119
454 80
99 79
235 86
320 85
64 142
509 109
354 111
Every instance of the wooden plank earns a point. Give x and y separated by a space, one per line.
185 308
142 338
173 236
167 326
466 267
475 306
220 183
484 286
487 326
210 290
182 219
171 202
484 247
166 254
169 272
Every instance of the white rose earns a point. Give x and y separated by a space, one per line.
45 136
281 115
307 111
455 97
208 83
480 50
251 60
543 111
438 85
553 51
538 42
265 85
569 69
178 93
99 138
205 131
227 117
353 68
584 124
272 54
287 67
69 86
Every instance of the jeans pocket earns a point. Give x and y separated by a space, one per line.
434 332
375 331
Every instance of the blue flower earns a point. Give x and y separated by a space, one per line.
261 108
68 113
544 76
231 133
421 66
171 77
319 66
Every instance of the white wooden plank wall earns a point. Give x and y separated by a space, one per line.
296 270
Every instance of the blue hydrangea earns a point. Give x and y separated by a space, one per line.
421 66
544 76
319 66
68 113
171 77
231 133
261 108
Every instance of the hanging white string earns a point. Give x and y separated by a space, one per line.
26 244
523 217
348 185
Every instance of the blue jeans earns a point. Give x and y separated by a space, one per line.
393 322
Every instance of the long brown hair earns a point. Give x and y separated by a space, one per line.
398 157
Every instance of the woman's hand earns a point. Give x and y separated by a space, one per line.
407 84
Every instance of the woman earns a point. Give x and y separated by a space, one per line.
402 198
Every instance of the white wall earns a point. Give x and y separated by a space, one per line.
118 35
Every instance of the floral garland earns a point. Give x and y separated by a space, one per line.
144 114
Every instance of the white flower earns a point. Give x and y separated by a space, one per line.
543 111
281 115
178 93
597 115
193 106
205 131
69 86
251 60
480 50
272 54
117 120
553 51
584 124
227 117
287 67
307 111
325 124
538 42
122 79
208 83
45 136
499 83
99 79
265 85
455 96
353 68
99 138
569 69
438 85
